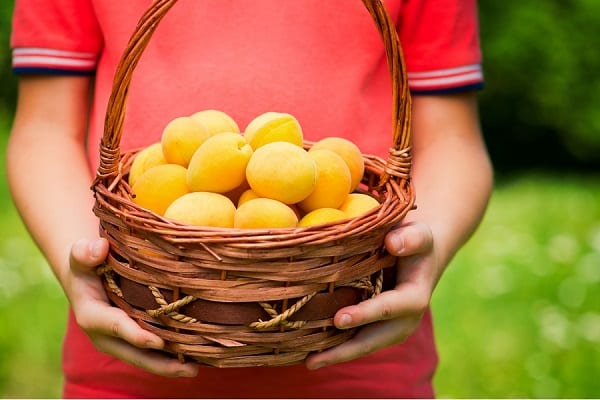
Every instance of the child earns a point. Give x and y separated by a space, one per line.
321 61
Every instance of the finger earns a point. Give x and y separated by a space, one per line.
152 361
409 239
87 253
406 300
99 318
367 340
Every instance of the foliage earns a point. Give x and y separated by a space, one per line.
542 87
8 87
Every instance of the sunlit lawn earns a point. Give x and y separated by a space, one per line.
517 313
32 307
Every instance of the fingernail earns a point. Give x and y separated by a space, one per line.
345 320
316 366
186 374
97 248
398 246
154 344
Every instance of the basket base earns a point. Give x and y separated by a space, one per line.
221 346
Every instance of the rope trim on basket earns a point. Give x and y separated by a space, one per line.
277 319
281 319
107 272
168 309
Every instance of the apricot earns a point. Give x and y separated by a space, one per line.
219 164
159 186
235 194
202 209
262 213
145 159
322 216
282 171
357 204
216 121
274 127
349 152
248 194
333 181
180 139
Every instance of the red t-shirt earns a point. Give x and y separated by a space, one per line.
321 61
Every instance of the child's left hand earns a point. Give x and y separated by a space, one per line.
391 317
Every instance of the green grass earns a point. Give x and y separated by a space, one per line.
517 313
32 307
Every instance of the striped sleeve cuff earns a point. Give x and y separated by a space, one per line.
38 60
457 79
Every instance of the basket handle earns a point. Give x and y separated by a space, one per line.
399 159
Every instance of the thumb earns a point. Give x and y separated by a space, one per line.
88 253
409 239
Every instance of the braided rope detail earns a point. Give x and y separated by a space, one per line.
107 272
169 309
378 284
274 314
281 319
364 283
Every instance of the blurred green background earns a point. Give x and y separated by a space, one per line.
518 311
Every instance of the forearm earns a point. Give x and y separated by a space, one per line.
55 214
452 172
48 174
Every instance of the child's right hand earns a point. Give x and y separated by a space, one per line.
109 328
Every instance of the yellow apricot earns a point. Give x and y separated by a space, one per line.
202 209
357 204
322 216
333 181
219 164
282 171
159 186
145 159
349 152
216 121
262 213
248 194
235 193
180 139
274 127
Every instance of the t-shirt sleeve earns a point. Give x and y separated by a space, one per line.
441 44
55 37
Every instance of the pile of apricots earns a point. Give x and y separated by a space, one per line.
205 171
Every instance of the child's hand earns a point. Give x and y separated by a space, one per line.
392 316
110 329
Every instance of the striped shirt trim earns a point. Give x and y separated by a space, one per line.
446 78
50 59
457 89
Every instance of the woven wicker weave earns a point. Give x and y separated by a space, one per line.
236 298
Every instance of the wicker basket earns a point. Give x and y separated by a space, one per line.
238 298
